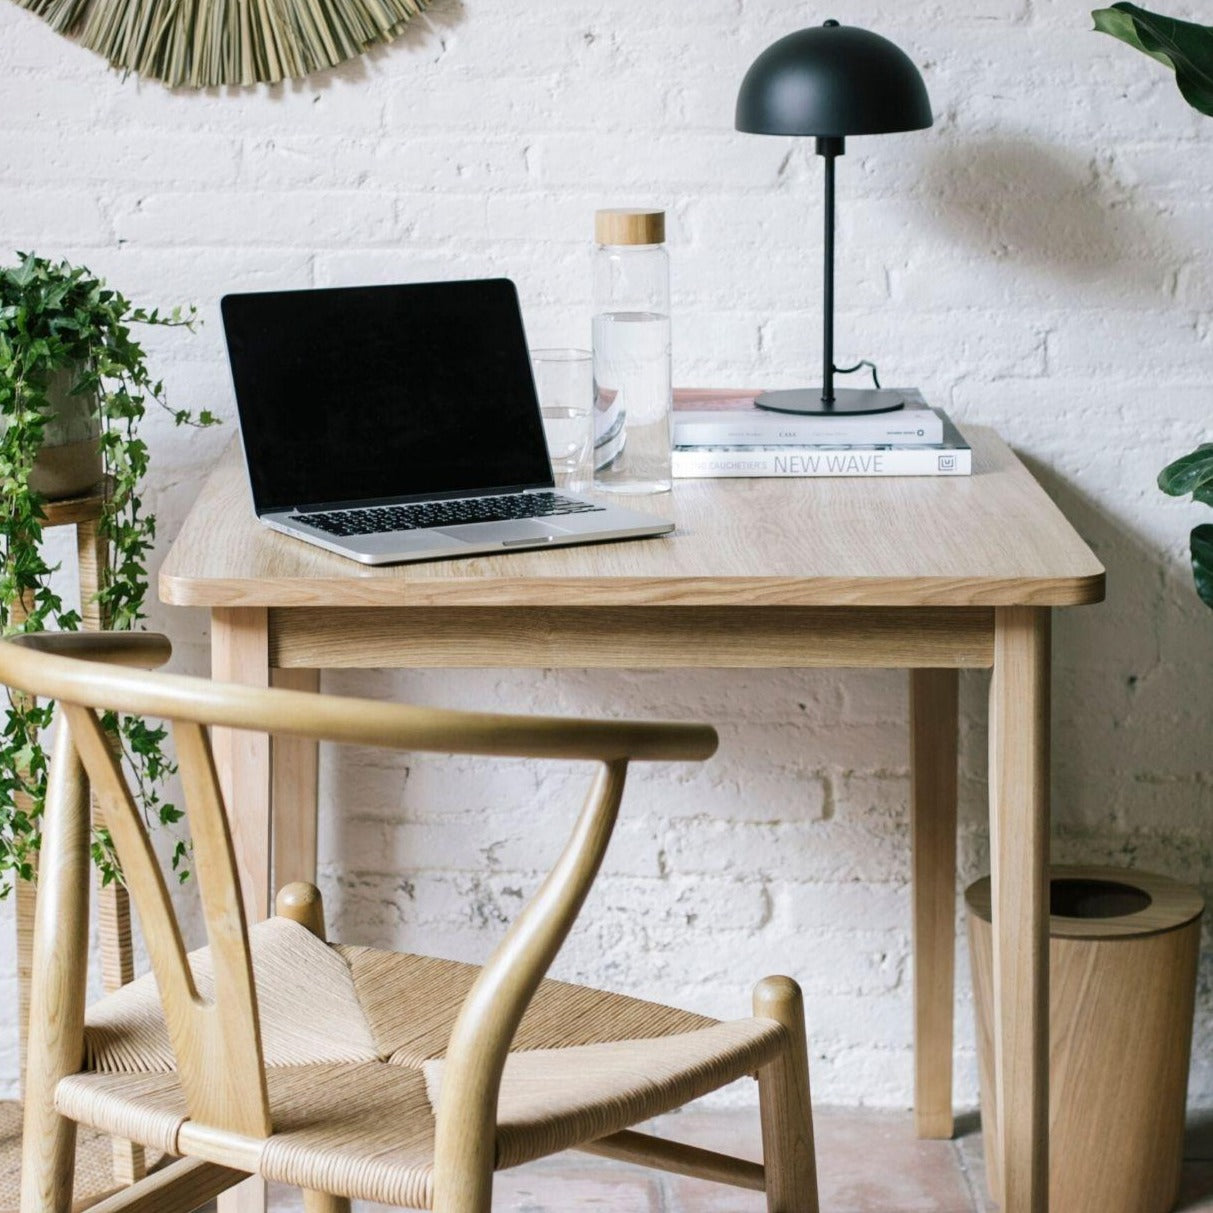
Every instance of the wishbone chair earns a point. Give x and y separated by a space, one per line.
347 1071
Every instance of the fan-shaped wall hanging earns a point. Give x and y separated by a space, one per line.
199 43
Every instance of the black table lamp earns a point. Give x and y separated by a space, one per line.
832 81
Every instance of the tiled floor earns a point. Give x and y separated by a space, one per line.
869 1162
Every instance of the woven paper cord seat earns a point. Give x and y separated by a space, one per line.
354 1040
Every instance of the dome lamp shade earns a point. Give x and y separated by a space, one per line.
832 80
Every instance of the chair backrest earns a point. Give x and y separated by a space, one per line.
217 1043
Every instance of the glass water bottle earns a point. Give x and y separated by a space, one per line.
632 392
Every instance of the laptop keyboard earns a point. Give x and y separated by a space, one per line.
419 516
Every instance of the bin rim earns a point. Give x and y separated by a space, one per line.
1172 904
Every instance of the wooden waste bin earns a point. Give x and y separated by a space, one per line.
1122 975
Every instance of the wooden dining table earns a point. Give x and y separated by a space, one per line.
931 574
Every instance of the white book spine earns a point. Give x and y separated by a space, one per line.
690 463
708 429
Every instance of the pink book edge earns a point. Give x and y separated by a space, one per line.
724 400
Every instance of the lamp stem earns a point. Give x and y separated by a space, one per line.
829 147
827 308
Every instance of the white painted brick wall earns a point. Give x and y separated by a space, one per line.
1039 261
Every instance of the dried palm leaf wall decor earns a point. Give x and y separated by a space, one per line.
199 43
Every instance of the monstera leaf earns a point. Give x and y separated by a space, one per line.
1183 46
1187 49
1202 561
1193 473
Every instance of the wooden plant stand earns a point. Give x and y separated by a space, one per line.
102 1165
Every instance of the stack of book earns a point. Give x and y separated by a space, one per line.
723 433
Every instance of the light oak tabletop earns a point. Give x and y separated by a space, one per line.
990 539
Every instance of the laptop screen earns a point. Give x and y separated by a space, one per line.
360 394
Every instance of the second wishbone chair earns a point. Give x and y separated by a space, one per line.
346 1071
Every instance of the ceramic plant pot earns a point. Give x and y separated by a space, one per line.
69 461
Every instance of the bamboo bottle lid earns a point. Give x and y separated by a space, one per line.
629 226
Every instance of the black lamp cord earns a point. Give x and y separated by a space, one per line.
850 370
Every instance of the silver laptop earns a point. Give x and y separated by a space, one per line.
400 423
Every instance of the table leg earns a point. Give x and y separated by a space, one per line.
1019 859
933 758
294 791
240 653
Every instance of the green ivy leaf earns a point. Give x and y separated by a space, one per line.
1183 46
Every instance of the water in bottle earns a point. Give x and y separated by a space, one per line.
631 339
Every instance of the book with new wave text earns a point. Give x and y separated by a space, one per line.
951 457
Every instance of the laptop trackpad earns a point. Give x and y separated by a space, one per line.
522 530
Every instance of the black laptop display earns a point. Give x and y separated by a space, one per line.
347 395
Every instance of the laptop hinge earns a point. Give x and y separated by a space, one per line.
324 507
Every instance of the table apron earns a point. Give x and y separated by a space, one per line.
641 637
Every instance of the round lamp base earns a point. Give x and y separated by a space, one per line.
848 401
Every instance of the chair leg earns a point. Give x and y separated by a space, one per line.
47 1186
301 902
469 1192
783 1094
322 1202
56 1042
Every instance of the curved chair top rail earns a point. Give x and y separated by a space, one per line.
65 666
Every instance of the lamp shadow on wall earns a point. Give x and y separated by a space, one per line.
1048 210
1130 715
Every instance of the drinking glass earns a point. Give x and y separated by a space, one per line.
565 382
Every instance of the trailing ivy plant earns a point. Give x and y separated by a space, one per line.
1187 49
56 318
